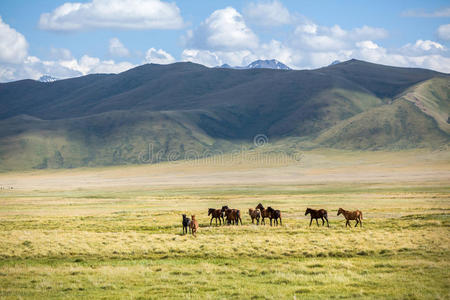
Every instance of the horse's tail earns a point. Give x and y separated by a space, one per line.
360 215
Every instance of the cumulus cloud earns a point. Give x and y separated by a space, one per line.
268 13
444 32
441 13
423 47
124 14
60 53
33 68
116 48
13 45
322 38
225 29
158 57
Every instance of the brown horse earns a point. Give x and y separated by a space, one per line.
317 214
351 215
254 214
264 213
275 214
193 225
233 215
216 214
269 213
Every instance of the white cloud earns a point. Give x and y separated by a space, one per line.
33 68
223 30
444 32
158 57
116 48
204 57
268 13
13 45
60 53
441 13
422 47
124 14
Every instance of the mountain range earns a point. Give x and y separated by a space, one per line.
155 113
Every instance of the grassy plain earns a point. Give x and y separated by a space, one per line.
115 232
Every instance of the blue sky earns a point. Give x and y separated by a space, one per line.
66 39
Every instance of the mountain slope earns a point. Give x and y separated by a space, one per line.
399 125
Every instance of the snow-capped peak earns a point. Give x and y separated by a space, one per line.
260 64
47 78
268 64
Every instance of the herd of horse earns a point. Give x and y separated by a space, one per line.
232 216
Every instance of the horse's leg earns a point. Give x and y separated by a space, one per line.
317 221
347 223
356 222
328 224
323 221
281 223
210 222
360 223
310 222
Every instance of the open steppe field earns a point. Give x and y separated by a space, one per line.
116 232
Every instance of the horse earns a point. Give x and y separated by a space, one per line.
264 214
254 214
216 214
193 225
317 214
186 222
275 214
233 215
351 215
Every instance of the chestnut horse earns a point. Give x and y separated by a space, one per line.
216 214
254 214
351 215
317 214
193 225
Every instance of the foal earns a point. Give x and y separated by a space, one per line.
216 214
351 215
186 222
193 225
317 214
254 214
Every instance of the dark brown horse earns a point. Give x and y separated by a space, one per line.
351 215
216 214
255 214
275 215
269 213
317 214
233 215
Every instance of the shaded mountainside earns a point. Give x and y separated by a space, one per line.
185 108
